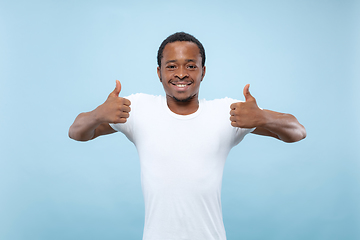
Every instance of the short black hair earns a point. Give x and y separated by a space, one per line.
182 37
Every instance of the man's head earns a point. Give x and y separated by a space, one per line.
181 67
181 37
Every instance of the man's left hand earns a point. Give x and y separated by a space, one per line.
246 114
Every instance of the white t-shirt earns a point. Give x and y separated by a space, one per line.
182 159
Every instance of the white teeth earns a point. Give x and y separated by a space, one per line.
181 85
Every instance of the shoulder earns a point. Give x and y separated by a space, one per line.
221 103
142 98
218 108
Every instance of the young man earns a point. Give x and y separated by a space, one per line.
182 141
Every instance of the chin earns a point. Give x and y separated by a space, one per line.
183 99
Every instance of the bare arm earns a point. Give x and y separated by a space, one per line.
92 124
87 127
281 126
268 123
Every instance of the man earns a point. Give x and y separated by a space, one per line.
182 141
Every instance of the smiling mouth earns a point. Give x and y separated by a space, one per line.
181 85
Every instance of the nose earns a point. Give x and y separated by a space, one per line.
181 73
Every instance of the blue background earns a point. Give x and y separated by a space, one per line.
60 58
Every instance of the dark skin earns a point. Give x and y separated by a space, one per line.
181 73
92 124
282 126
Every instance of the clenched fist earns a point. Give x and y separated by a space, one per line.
246 114
115 109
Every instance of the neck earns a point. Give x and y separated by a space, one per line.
183 107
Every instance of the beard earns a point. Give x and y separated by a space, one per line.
183 100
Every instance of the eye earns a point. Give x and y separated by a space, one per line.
171 67
191 66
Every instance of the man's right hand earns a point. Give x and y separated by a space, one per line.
115 109
90 125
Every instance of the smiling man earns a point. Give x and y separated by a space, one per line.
182 141
181 73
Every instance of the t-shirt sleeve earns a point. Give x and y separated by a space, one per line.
127 128
240 133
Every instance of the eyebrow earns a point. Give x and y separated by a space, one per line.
186 60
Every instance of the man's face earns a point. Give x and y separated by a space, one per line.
181 71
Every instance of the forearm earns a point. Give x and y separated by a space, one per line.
285 126
83 128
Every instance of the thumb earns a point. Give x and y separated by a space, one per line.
117 88
247 94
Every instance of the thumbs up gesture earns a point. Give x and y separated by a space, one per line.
246 114
115 109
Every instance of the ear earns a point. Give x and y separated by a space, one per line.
203 72
159 73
